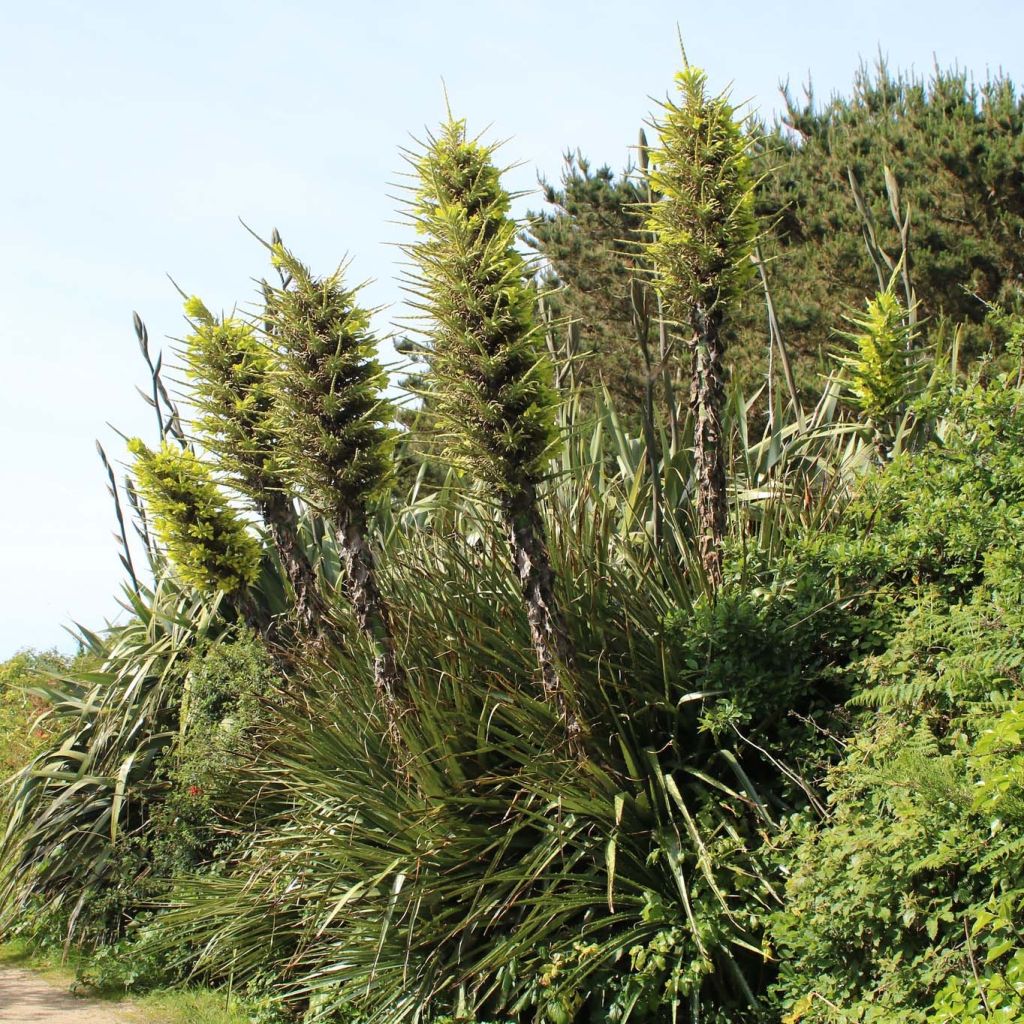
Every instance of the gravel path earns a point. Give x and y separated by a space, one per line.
25 998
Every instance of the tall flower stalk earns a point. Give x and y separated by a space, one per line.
882 364
335 426
492 376
703 232
231 370
205 538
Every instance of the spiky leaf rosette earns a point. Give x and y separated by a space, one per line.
204 537
487 355
703 226
231 371
881 365
335 414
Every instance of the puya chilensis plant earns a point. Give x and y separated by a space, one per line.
339 444
204 537
233 391
492 380
703 233
882 363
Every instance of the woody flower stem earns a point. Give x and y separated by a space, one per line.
237 419
703 233
337 438
707 400
525 531
371 611
491 372
282 524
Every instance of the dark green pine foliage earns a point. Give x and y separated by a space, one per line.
205 538
491 376
335 425
956 150
591 243
703 233
234 394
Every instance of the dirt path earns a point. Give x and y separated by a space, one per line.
25 998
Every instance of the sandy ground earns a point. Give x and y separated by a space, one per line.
25 998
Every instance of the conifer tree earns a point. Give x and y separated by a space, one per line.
492 376
591 244
953 144
703 234
337 436
232 372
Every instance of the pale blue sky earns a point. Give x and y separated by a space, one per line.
135 136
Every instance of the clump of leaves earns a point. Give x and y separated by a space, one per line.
894 901
21 732
889 905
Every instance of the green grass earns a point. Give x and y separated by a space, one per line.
46 963
162 1006
191 1006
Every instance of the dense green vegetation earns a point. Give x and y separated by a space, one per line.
939 160
663 702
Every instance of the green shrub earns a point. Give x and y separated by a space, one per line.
915 879
445 857
22 735
901 903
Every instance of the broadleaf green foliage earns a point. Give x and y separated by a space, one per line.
493 389
22 735
925 525
702 222
152 744
226 704
922 845
895 900
231 372
207 539
93 782
334 416
771 644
